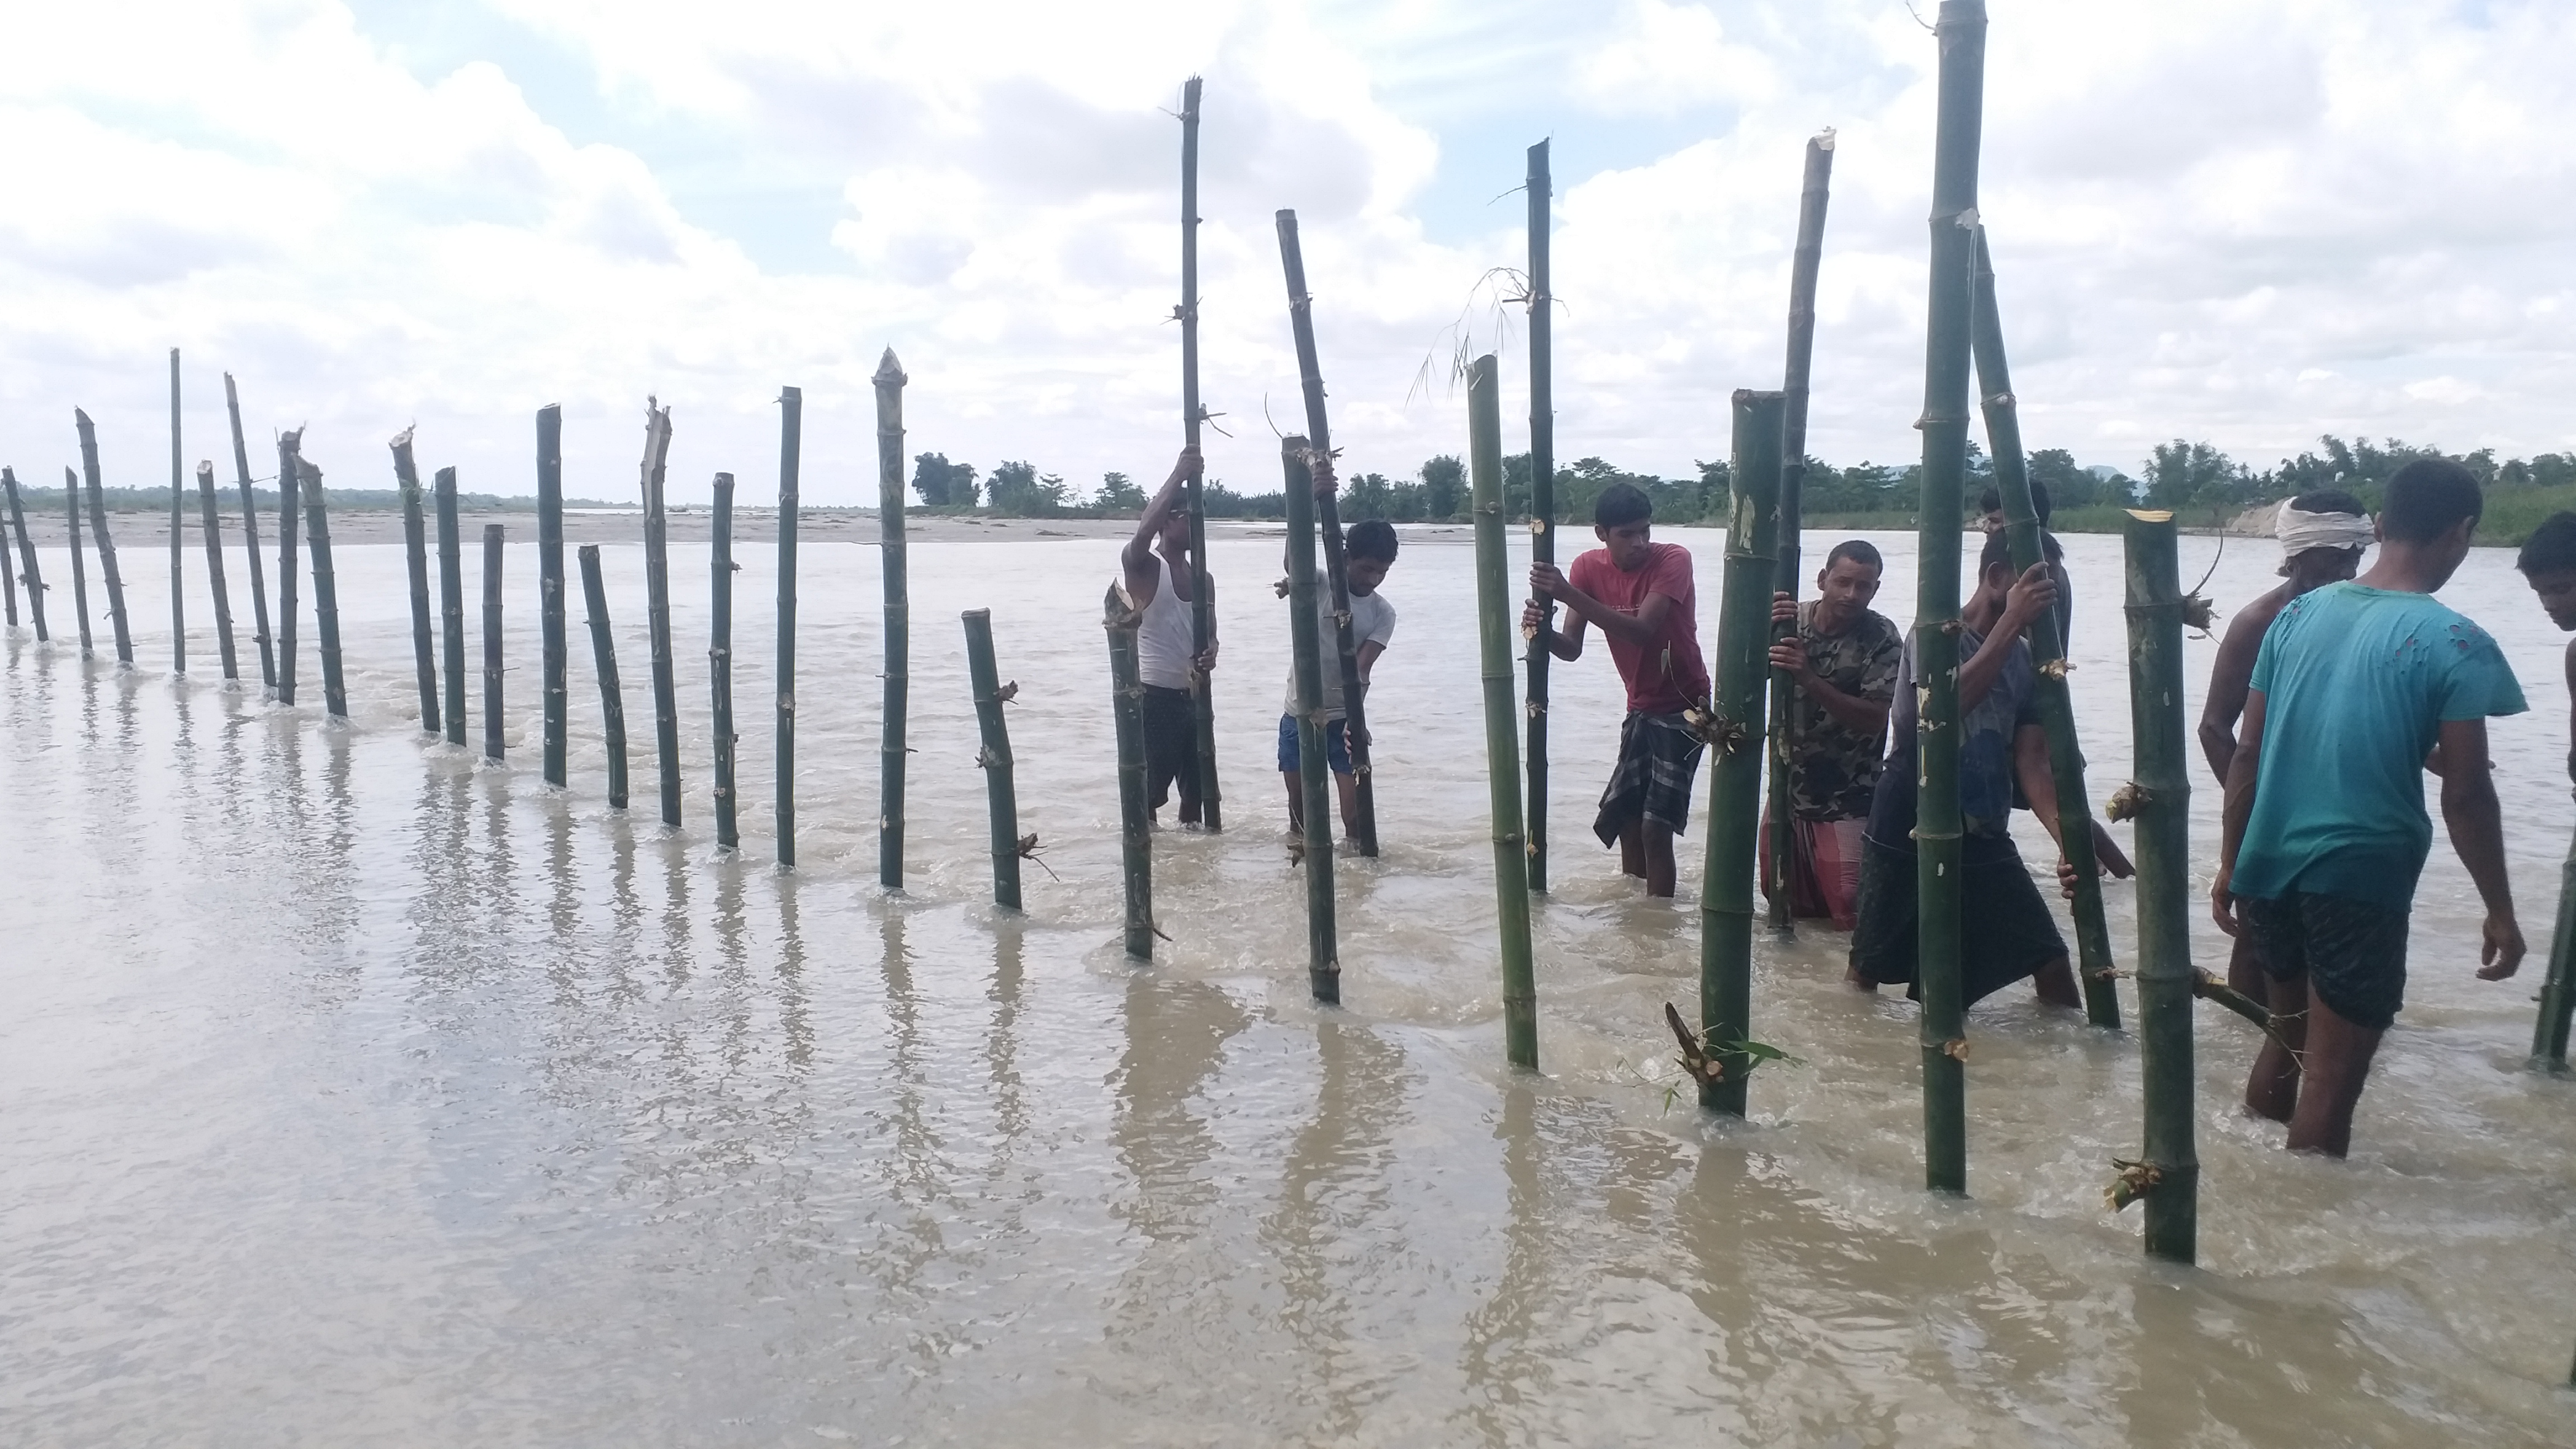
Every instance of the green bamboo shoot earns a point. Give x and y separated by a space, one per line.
612 698
791 425
424 648
492 716
552 652
1542 434
326 592
1805 262
34 577
1735 769
721 569
250 539
1193 413
107 570
1314 780
1000 788
897 577
2163 820
1496 619
1119 618
451 602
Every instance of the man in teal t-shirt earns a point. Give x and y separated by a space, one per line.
2355 686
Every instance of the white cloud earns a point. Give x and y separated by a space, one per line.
1667 58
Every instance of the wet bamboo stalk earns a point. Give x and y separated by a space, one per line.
1135 832
720 661
451 602
492 716
1000 789
1805 262
791 433
210 519
657 607
1193 413
34 577
1496 618
424 649
1961 36
9 571
1314 778
554 652
2163 820
289 475
80 579
612 698
250 540
107 570
326 593
1542 434
897 575
2558 987
178 517
2094 965
1735 768
1328 522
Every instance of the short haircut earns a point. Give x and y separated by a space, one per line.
2427 498
1992 500
2551 548
1858 550
1621 503
1370 538
2329 500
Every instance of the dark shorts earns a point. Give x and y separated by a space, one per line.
1658 758
1337 749
1171 750
2005 930
2352 952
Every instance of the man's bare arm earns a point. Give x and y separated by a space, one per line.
2243 772
2476 824
2033 594
1642 627
1138 557
2229 679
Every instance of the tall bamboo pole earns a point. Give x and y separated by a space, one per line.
791 433
289 475
720 662
1804 264
424 649
210 523
553 654
8 567
451 602
250 539
2047 649
2558 988
492 716
1314 778
603 652
80 581
34 577
178 517
1735 772
1000 789
2164 884
1541 191
1328 522
897 574
107 570
326 593
1119 618
1495 618
1961 35
657 607
1193 413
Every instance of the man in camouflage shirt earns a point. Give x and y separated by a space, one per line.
1842 667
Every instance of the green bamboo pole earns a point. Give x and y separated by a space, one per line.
178 517
1000 789
2163 822
209 518
8 577
2056 706
80 580
289 474
1193 413
657 607
451 602
1542 432
250 539
1495 620
1735 771
2558 988
897 575
1961 34
720 664
1135 834
326 593
107 570
1314 778
553 654
34 577
1805 262
791 410
603 651
1328 522
424 649
492 717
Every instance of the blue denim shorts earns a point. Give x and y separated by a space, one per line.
1337 749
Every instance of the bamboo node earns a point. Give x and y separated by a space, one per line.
2126 801
1538 525
1529 636
2199 613
1695 1062
2135 1181
1281 588
1007 693
2054 669
1714 729
1956 1048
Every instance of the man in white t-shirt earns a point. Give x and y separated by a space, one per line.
1368 551
1162 581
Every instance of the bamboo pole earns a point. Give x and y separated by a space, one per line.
1735 771
289 475
1000 789
2558 988
889 382
554 655
657 607
720 662
326 593
80 580
2163 822
9 569
34 577
178 516
603 651
2094 966
250 539
1328 522
1193 413
1961 34
1127 707
1542 432
451 602
1805 262
210 520
791 435
416 562
492 717
1495 619
1314 776
107 570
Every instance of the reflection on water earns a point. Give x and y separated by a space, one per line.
458 1110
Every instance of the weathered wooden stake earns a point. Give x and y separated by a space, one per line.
35 578
326 593
1804 263
1000 790
612 698
9 570
210 520
451 602
178 516
791 434
720 662
897 574
1495 618
424 649
1541 191
1742 669
289 476
2163 820
107 570
657 607
80 580
2558 987
1119 618
554 654
1193 413
1314 778
250 540
492 717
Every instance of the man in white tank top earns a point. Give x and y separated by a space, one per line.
1164 587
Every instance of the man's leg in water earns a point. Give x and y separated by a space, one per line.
2245 968
2338 1062
1348 786
2055 983
1632 849
2272 1087
1659 872
1296 802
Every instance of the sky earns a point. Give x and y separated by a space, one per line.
2248 222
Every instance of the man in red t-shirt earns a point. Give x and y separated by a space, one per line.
1638 593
